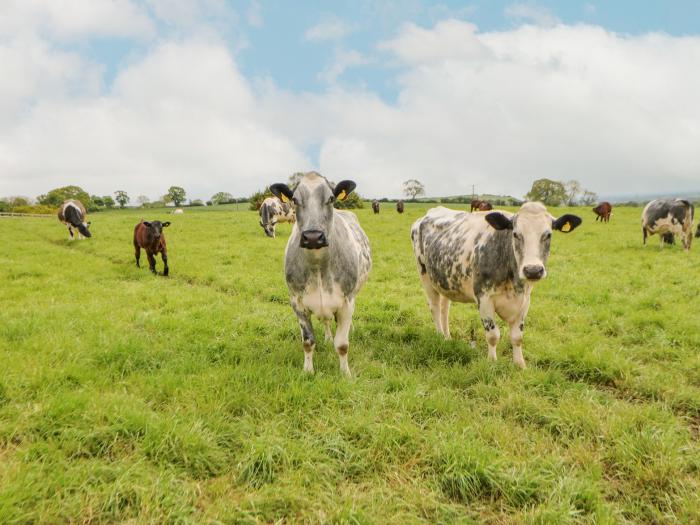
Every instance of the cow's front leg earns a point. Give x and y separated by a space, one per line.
70 233
517 326
151 261
307 337
445 316
164 255
342 332
487 311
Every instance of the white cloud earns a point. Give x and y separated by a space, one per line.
497 110
254 14
342 61
330 29
531 13
73 19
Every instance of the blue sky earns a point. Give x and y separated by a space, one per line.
230 94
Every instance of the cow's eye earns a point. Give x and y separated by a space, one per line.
547 236
331 200
295 201
517 236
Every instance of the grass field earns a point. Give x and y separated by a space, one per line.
126 397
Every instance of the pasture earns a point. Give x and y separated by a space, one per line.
126 397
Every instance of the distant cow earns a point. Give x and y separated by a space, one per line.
485 206
603 211
150 237
668 216
72 213
399 206
327 261
179 211
375 206
491 259
697 233
273 211
474 205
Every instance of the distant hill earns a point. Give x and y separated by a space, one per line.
693 196
497 200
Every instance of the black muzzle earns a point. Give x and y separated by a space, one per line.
313 239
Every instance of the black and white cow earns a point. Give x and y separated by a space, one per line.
72 213
327 261
669 217
492 259
273 211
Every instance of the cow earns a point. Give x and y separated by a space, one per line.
272 211
72 213
178 211
399 206
474 205
492 259
150 237
326 262
697 233
375 206
485 206
603 211
668 217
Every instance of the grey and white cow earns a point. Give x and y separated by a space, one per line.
272 211
327 261
492 259
72 213
669 217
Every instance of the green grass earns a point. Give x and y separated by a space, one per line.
126 397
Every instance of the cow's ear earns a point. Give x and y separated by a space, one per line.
499 221
166 224
147 224
282 192
343 189
566 223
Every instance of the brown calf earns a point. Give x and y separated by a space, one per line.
150 237
475 205
399 206
485 206
603 211
375 206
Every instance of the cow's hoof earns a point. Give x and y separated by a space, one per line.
492 357
308 369
346 372
520 364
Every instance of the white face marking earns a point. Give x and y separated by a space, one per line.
532 226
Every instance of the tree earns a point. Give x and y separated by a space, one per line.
196 202
16 201
573 189
108 201
412 188
143 200
121 197
55 197
294 179
97 200
175 194
257 198
588 198
550 192
221 198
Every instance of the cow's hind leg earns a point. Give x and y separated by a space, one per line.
328 336
487 311
70 233
342 332
137 254
644 235
308 340
433 300
445 316
166 270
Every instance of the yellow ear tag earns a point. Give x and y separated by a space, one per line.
342 195
284 198
566 227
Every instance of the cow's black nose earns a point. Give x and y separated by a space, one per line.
534 271
313 239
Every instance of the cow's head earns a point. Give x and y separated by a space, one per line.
531 229
313 201
155 228
83 228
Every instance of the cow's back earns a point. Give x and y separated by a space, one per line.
351 259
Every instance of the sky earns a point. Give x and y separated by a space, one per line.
233 95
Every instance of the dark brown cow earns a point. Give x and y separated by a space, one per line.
375 206
399 206
485 206
475 204
150 237
603 211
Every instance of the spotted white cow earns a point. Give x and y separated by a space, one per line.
492 259
326 262
72 213
669 217
272 211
